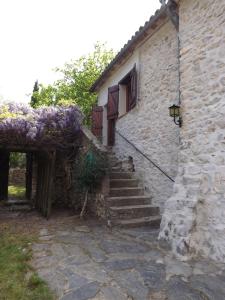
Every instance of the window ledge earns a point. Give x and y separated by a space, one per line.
126 113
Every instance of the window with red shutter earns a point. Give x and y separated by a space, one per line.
97 121
112 112
113 102
133 88
130 84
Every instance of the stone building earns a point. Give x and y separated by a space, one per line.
141 107
177 57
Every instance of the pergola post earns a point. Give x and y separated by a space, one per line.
4 174
45 174
29 172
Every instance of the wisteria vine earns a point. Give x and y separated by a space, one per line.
21 125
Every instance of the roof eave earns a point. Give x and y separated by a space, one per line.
129 46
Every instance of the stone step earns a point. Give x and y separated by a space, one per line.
114 161
127 191
130 200
116 169
138 222
121 175
115 164
117 183
112 158
133 211
19 207
111 154
16 202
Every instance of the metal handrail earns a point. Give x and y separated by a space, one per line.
145 156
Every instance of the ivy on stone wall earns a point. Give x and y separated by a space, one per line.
90 169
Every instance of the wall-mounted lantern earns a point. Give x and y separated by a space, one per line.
175 114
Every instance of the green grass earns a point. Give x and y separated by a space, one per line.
14 267
16 191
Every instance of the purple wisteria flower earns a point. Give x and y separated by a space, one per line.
22 125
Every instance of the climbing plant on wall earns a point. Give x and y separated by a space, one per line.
91 168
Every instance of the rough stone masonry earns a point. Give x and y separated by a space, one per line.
194 218
148 125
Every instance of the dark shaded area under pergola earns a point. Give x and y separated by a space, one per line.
50 137
40 166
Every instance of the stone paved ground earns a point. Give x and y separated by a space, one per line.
86 260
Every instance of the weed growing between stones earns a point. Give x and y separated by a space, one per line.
17 278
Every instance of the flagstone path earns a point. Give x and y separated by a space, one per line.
90 261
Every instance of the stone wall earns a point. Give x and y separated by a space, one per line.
117 75
148 126
194 218
17 176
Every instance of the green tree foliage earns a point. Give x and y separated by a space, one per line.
77 78
45 96
92 167
17 160
34 99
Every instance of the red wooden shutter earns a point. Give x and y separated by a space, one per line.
97 121
133 80
113 102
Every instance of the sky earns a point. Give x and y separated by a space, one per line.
38 36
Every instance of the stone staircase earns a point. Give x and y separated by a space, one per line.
17 205
128 205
